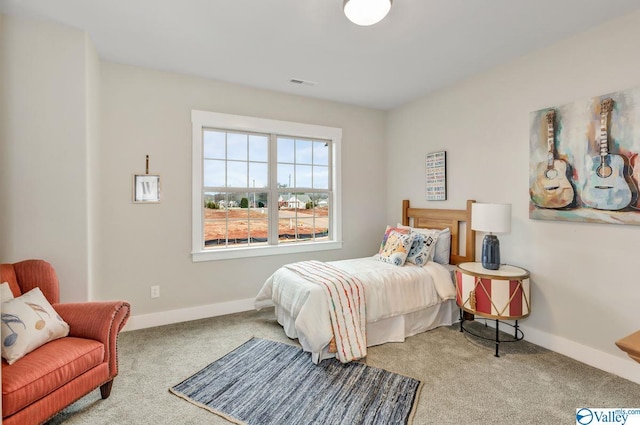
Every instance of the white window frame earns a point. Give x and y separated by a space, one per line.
201 120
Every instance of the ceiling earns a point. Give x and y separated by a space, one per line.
421 46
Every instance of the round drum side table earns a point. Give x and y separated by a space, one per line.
502 294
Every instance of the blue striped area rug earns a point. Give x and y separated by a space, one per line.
264 382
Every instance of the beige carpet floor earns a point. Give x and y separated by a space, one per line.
463 382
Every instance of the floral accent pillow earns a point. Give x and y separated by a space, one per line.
28 322
395 247
422 247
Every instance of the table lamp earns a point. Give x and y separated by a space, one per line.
491 218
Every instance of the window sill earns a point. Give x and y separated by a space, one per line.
232 253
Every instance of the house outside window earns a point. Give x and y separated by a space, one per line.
263 187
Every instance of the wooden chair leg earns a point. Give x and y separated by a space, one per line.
105 389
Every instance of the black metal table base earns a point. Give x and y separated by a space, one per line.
517 334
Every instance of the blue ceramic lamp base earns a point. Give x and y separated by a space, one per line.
490 252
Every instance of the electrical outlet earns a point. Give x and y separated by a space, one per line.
155 291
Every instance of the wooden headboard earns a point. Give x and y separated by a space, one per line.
441 219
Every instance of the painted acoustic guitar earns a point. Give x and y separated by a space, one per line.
552 188
608 185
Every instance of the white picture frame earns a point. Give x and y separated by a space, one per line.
146 188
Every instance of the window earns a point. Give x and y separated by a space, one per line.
263 187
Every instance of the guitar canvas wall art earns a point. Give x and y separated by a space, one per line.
551 187
584 160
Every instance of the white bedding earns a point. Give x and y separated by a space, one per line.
390 291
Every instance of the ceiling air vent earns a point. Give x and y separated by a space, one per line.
302 82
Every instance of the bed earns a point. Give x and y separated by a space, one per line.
401 301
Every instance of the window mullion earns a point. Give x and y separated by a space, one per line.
273 190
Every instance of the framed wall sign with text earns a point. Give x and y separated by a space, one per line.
436 176
146 188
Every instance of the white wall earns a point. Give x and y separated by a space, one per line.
43 149
74 130
139 245
585 288
92 119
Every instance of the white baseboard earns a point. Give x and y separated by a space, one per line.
620 366
623 367
151 320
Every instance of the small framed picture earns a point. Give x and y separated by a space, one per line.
436 176
146 188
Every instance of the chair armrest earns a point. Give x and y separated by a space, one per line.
99 320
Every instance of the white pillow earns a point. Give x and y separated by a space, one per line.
442 251
28 322
5 292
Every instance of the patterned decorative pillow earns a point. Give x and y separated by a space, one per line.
399 229
442 252
5 292
28 322
422 247
395 247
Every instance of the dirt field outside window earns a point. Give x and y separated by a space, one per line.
241 221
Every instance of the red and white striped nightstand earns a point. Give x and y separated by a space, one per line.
502 294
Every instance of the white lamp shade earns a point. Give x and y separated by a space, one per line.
493 218
366 12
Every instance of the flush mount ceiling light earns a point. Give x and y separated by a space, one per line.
366 12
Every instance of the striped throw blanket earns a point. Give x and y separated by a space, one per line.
345 296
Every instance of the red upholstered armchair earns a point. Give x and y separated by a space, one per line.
51 377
